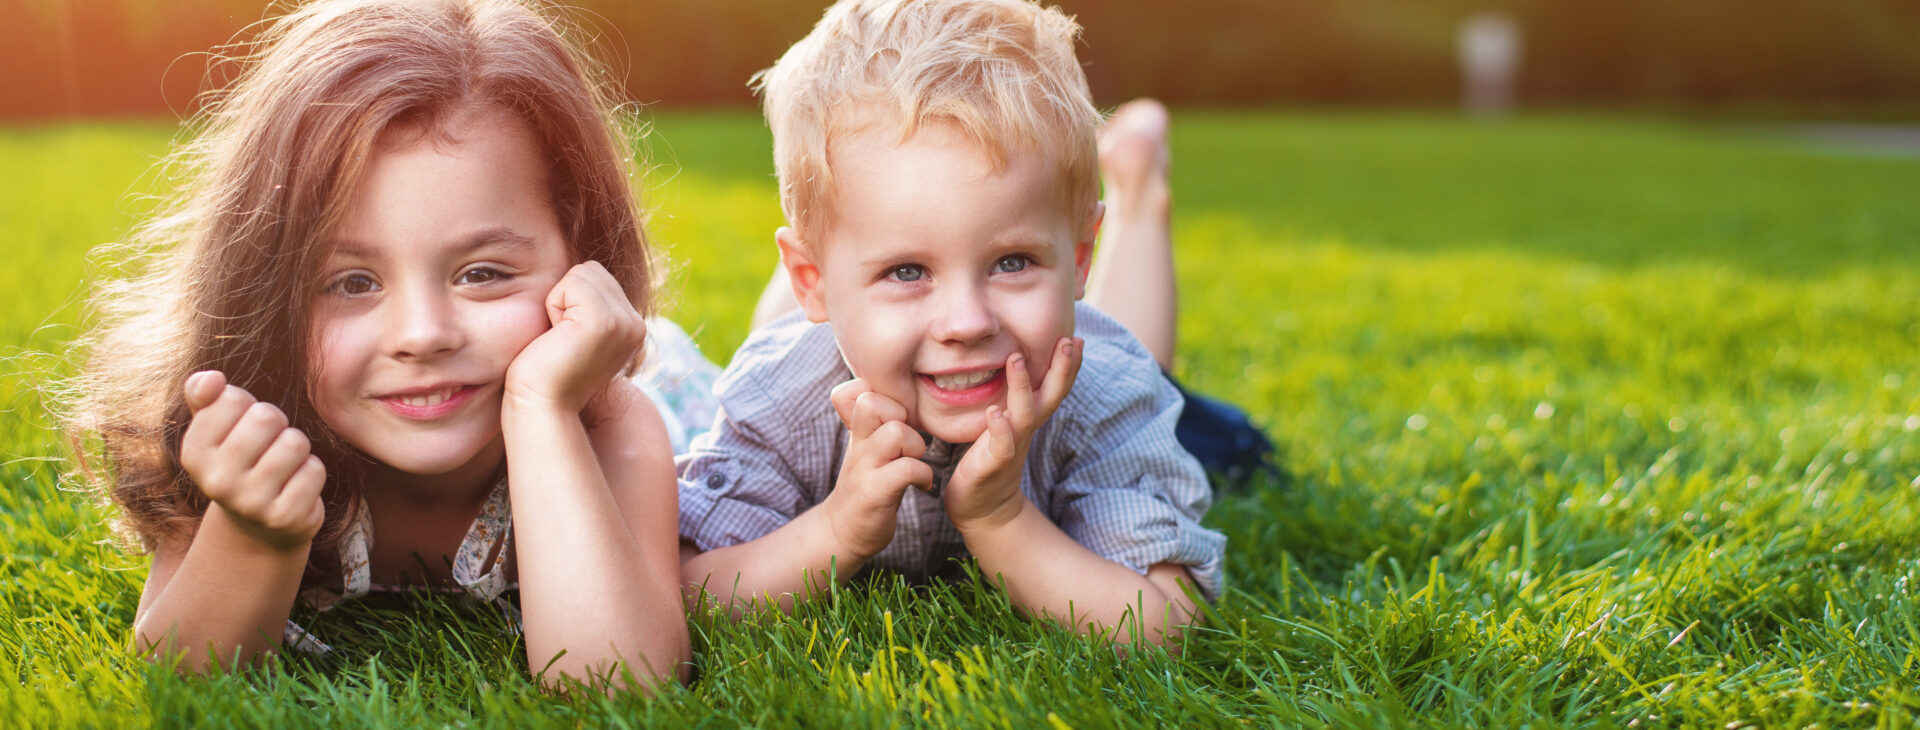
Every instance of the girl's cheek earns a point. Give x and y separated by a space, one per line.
521 320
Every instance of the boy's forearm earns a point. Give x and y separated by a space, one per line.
1048 574
591 598
788 564
229 598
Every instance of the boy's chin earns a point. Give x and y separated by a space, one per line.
959 428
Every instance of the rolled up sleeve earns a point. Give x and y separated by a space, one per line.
754 470
1129 492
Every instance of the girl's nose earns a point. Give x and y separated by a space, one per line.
964 316
423 324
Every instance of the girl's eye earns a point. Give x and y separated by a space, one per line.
481 275
909 272
354 285
1011 264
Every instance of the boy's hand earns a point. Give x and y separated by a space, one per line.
245 458
985 489
596 334
883 459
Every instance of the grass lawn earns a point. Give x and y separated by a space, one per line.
1589 421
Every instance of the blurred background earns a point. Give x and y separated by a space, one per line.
1769 58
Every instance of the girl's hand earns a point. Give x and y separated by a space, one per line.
245 458
882 460
985 488
596 334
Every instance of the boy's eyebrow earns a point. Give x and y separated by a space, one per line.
1022 240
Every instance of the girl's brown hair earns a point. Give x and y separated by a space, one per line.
223 278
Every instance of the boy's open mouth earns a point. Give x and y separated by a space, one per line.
963 381
964 389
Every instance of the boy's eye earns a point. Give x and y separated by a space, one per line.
910 272
481 275
354 285
1010 264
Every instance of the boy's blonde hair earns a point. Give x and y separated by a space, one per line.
1002 71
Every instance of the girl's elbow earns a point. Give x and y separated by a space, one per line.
164 648
159 644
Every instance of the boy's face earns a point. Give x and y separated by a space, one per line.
934 269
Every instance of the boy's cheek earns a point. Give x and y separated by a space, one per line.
869 350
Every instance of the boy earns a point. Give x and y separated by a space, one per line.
937 166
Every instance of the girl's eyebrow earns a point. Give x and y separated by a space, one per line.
496 236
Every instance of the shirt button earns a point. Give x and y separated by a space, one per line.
716 481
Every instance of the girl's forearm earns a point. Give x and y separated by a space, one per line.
592 599
1048 574
228 597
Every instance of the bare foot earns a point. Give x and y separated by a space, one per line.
1134 159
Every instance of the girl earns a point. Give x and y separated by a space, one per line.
379 346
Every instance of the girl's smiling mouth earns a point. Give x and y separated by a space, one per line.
426 404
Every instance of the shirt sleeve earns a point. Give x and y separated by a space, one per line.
1128 491
751 472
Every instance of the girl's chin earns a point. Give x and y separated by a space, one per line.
426 462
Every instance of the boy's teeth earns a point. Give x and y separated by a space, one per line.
963 381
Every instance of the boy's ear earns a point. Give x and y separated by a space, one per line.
803 273
1083 247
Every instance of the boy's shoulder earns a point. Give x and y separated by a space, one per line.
1117 374
1113 358
786 361
1109 345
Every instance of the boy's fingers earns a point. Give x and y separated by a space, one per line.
881 408
899 440
906 473
1002 444
843 396
1061 374
871 411
1019 391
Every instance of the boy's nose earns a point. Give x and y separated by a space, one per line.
422 325
964 316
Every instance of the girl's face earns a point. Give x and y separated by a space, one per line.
438 278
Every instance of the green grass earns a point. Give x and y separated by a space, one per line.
1590 421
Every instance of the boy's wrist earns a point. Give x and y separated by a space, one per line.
847 547
995 520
